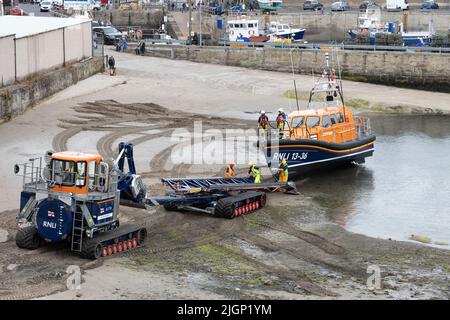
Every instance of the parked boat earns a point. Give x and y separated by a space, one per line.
322 136
270 5
242 29
371 31
284 31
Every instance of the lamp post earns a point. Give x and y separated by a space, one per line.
190 23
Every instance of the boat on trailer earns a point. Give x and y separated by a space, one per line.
325 135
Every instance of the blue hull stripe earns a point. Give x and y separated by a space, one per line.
330 159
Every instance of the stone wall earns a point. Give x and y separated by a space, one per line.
418 70
16 99
151 19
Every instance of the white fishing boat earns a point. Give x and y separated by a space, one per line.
243 29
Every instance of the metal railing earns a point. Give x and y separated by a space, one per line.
361 126
37 176
341 46
31 173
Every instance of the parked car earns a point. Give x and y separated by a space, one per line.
429 4
110 34
312 5
95 5
363 6
216 9
16 11
235 9
45 6
340 6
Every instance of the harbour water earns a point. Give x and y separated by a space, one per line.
403 189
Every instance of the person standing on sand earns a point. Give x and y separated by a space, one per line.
112 66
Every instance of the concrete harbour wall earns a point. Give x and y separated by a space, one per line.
151 19
405 69
17 98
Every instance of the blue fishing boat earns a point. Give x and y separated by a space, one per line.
284 31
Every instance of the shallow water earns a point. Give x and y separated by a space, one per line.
403 189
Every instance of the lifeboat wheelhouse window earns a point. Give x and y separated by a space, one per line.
340 118
326 121
312 121
297 122
333 118
250 25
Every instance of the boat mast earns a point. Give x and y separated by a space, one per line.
293 79
341 92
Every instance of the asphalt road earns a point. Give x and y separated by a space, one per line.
34 9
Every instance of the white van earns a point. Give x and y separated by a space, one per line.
397 5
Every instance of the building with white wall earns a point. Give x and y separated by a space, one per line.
31 45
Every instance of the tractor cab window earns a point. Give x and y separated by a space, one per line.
81 174
92 172
63 172
297 122
68 173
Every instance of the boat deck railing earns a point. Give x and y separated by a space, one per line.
361 129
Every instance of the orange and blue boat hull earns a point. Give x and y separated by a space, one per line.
306 156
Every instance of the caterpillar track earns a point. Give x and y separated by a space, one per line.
112 242
243 203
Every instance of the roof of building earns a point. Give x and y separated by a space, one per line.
23 26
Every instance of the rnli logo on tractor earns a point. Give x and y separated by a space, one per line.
51 214
49 224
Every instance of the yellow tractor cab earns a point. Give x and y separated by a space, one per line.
75 172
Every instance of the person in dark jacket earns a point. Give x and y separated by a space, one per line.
112 66
140 49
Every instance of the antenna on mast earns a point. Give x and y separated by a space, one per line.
293 79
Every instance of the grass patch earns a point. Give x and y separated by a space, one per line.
301 95
358 103
422 239
226 263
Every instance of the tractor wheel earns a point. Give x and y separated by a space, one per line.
262 201
225 209
141 235
91 250
28 238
